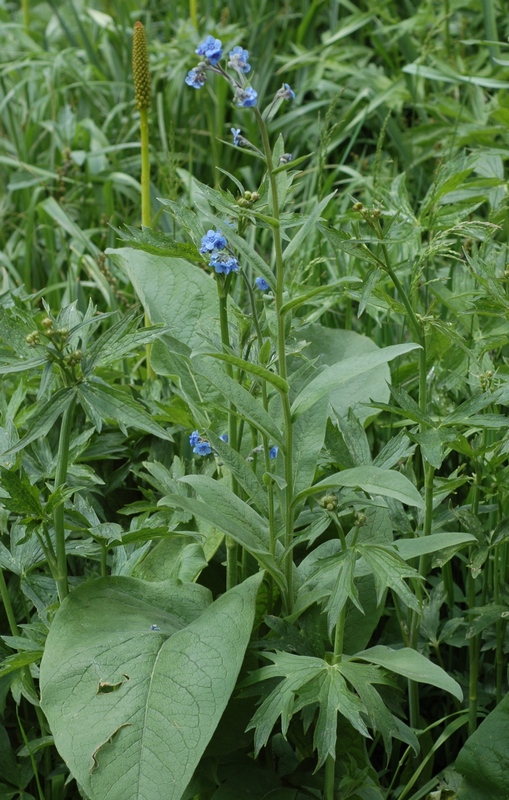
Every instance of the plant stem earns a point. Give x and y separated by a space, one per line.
58 514
232 553
6 600
281 351
145 200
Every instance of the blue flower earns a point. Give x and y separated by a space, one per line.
224 264
285 93
211 49
262 284
238 60
203 448
245 98
237 138
273 451
224 437
194 438
213 240
196 78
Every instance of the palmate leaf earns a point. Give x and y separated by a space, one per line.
389 570
308 681
103 402
23 497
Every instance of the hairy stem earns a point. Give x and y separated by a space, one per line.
58 514
281 352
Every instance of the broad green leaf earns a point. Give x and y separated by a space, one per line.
173 292
422 545
484 758
109 402
411 665
333 376
331 346
227 512
376 481
135 678
308 438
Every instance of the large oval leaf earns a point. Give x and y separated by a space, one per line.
135 678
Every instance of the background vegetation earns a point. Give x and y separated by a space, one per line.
399 204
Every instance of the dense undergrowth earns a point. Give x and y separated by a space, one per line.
253 432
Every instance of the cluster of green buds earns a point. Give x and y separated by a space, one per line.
34 338
367 213
329 502
141 70
485 380
247 199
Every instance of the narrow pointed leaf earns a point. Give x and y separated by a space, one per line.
411 665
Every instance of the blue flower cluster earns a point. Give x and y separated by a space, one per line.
211 50
214 243
202 448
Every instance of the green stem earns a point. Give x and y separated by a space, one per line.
26 15
329 778
145 201
289 510
232 554
58 514
193 12
6 600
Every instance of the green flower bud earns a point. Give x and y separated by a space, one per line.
141 69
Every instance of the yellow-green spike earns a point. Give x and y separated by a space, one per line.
141 69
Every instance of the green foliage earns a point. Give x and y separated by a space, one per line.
341 434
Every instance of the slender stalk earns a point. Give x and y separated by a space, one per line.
58 514
232 554
289 510
26 15
193 12
145 168
6 600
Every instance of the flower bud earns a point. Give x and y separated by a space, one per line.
141 70
329 502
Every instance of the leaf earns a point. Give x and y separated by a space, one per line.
422 545
376 481
327 289
173 292
227 512
389 570
23 496
44 416
242 471
111 403
244 401
308 438
330 346
307 228
338 374
155 673
158 243
411 665
484 758
280 384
